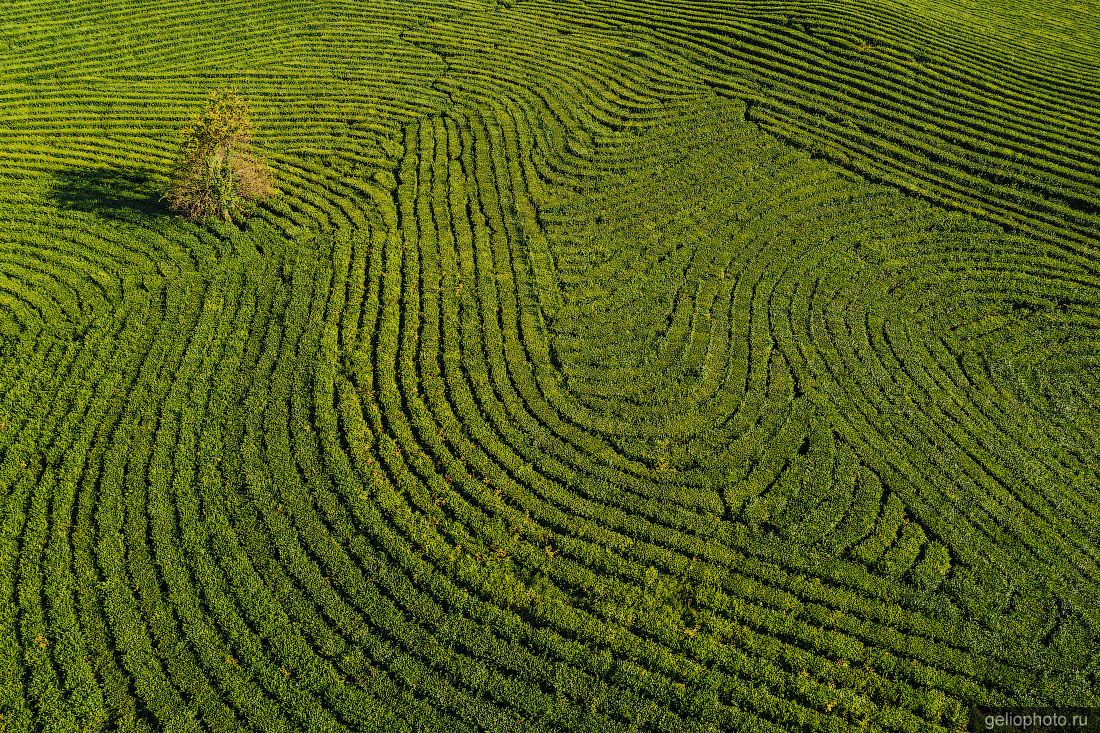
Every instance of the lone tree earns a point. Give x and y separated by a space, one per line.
216 174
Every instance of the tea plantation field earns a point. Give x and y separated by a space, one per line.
602 365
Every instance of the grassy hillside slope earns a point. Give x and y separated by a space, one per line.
606 365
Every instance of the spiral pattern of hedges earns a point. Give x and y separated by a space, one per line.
617 365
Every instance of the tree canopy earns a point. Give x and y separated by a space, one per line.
215 173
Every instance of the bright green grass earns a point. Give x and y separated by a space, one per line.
602 366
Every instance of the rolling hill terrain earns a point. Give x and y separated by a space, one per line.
602 365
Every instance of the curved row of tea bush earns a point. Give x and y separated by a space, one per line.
563 386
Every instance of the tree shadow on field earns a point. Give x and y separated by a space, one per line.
124 195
